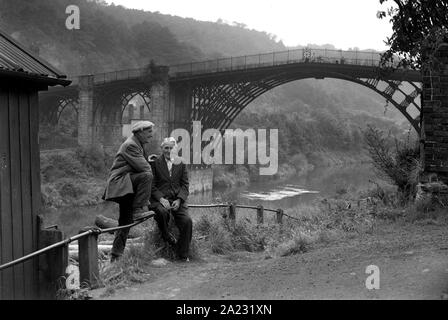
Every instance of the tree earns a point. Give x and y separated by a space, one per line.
419 27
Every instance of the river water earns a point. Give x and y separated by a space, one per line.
286 194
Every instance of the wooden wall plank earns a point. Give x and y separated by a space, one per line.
19 191
16 192
2 164
35 177
5 194
25 172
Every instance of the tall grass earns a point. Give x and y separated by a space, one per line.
396 161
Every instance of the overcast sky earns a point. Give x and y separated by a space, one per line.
343 23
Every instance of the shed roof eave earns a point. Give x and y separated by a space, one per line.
34 57
34 78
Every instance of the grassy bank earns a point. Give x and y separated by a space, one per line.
329 220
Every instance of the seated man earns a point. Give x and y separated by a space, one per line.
129 182
168 198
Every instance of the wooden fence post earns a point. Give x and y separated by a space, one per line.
53 264
280 216
88 260
232 213
260 213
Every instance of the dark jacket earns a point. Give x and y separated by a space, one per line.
130 158
174 187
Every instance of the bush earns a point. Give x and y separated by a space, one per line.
246 236
94 159
220 239
223 237
63 165
401 166
299 243
203 225
70 189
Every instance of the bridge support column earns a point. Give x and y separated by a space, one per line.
86 130
435 118
160 110
181 106
110 134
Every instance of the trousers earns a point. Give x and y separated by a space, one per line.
183 222
141 183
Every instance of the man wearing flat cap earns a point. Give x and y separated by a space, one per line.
129 182
169 198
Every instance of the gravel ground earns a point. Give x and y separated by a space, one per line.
412 260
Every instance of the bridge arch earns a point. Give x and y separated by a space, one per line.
145 97
53 106
218 104
71 103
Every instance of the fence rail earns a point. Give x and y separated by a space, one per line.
88 244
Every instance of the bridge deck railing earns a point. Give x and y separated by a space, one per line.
88 243
362 58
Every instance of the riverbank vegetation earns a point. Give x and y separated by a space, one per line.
336 219
345 215
74 177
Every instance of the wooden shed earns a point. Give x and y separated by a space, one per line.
22 75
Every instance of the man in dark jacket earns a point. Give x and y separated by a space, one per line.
129 182
169 198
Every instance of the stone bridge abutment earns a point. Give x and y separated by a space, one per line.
434 137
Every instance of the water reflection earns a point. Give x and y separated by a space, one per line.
324 182
277 194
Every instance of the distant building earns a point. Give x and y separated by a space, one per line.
22 75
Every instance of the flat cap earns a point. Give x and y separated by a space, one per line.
141 125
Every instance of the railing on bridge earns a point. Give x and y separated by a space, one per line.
361 58
114 76
88 243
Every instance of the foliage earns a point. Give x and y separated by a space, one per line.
61 165
91 49
399 165
224 237
303 140
70 189
73 294
95 160
419 26
299 243
213 39
74 177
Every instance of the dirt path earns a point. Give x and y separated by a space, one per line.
412 259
